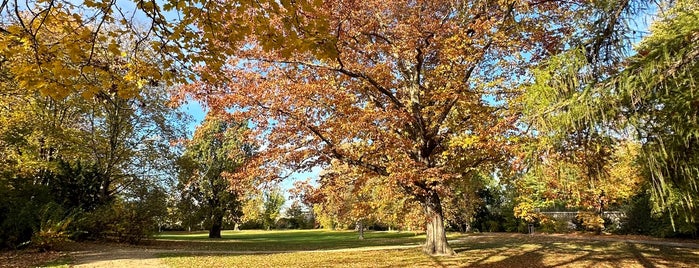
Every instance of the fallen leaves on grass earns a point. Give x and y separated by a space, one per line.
29 258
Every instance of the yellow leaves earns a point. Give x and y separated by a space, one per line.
114 48
54 90
140 83
91 3
26 42
523 210
89 91
77 18
288 5
464 141
65 54
129 77
147 5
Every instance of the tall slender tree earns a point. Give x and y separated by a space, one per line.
213 156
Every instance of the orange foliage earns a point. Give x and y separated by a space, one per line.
414 92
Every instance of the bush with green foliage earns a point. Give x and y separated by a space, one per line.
129 219
496 213
640 219
21 202
54 227
550 225
76 185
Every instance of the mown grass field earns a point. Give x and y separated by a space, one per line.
322 248
317 248
290 240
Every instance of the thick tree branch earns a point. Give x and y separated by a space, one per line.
375 84
384 91
339 156
335 153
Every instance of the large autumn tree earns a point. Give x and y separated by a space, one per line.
413 91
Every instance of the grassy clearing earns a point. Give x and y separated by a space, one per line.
320 248
292 240
473 251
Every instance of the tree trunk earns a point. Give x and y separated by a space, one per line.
436 241
360 228
216 222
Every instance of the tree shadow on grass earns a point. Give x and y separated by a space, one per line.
508 253
639 256
666 256
527 259
473 251
538 252
494 253
114 256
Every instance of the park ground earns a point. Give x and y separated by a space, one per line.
321 248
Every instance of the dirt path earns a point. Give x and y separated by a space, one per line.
105 255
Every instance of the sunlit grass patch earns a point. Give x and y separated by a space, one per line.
291 240
374 258
342 249
494 256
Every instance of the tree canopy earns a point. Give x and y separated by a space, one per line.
208 170
418 93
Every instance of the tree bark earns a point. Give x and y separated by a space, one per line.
216 223
436 241
360 228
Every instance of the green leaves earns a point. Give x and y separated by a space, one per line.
210 170
650 97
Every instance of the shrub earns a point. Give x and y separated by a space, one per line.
641 220
549 225
20 206
129 219
54 227
590 221
610 225
251 224
513 224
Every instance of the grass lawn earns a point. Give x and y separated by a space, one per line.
485 250
291 240
321 248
